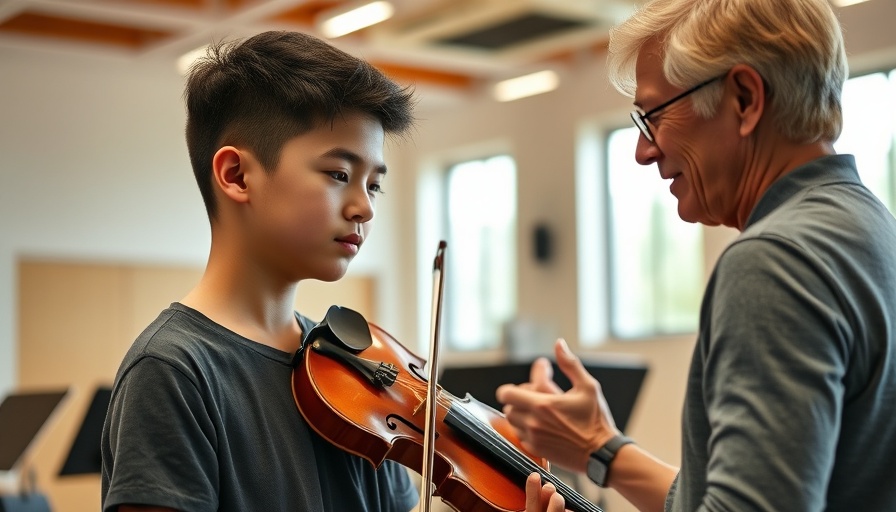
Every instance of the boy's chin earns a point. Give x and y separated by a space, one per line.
333 274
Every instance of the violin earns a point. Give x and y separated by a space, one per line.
363 391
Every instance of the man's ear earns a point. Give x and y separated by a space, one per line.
227 168
749 90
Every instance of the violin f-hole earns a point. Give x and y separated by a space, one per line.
390 422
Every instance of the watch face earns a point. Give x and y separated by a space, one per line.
597 471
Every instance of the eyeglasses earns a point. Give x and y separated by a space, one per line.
640 117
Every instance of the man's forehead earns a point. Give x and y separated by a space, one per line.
649 76
650 55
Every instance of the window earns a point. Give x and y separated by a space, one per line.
480 287
655 259
869 127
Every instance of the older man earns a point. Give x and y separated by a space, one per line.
789 397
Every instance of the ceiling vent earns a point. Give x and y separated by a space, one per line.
505 25
522 28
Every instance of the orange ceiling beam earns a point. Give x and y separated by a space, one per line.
306 13
572 54
35 24
408 74
193 4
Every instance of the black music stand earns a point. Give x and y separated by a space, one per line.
22 417
620 381
85 457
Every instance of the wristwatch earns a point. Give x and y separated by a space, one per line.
599 461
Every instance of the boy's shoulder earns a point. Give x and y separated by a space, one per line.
178 336
183 335
174 325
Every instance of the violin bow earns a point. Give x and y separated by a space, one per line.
429 430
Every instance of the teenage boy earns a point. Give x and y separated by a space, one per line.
285 135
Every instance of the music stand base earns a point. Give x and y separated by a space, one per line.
34 502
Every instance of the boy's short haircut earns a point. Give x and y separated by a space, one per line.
274 86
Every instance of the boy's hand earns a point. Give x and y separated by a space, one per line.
542 498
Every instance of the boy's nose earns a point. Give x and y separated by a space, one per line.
361 207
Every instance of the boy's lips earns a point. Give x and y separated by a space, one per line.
353 239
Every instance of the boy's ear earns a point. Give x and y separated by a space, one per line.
227 168
749 90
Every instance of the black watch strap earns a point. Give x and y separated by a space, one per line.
599 461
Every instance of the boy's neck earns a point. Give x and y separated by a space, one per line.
248 305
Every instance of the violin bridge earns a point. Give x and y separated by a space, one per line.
385 374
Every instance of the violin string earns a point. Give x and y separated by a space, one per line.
445 398
500 445
521 463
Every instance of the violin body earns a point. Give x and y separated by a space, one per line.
377 422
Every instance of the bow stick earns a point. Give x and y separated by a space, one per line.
429 430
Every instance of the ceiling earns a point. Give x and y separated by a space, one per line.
440 45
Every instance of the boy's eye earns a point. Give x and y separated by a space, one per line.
376 188
338 175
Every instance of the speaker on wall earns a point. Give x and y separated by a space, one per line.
543 243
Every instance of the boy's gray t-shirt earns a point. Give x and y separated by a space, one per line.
202 419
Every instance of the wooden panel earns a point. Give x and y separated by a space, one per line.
76 322
69 327
70 321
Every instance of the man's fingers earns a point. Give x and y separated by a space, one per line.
541 372
522 398
541 380
570 365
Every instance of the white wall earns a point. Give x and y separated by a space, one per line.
94 167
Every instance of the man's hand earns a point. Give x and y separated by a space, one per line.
561 427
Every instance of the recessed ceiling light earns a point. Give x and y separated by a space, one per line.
526 85
341 22
186 60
